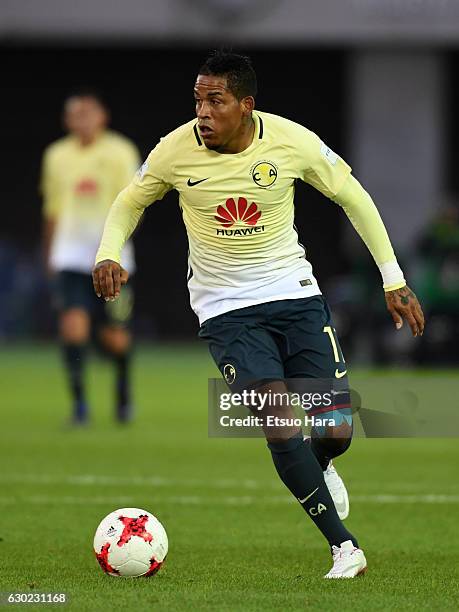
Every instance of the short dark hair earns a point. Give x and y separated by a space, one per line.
238 70
88 92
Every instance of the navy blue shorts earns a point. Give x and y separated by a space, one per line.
75 290
277 340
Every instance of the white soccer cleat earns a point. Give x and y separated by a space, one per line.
337 490
348 561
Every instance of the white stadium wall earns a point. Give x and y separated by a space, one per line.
257 21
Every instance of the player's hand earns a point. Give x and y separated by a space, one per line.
107 278
403 304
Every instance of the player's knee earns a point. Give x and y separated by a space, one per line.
74 325
336 440
116 340
280 423
340 432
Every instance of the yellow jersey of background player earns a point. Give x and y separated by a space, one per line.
81 175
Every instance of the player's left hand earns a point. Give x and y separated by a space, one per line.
403 304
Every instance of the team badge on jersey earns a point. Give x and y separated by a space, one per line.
331 157
141 171
229 372
264 173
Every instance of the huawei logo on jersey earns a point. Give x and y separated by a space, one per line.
245 214
86 187
230 213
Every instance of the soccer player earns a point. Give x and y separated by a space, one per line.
81 175
259 306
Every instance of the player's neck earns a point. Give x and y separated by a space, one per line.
242 140
86 140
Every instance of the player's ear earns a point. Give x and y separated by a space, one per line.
248 104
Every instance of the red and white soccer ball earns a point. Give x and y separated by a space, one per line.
130 542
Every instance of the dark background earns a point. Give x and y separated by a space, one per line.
149 92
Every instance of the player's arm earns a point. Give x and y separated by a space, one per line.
108 275
149 184
111 270
364 216
51 205
329 173
48 229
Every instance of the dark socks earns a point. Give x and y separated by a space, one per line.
326 449
74 358
123 399
301 473
122 381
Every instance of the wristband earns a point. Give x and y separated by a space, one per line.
392 275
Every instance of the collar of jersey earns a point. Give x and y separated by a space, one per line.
88 148
259 135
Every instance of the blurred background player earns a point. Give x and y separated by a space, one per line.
81 174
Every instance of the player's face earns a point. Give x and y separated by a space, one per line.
84 117
221 116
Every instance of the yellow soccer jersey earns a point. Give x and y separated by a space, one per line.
79 185
238 210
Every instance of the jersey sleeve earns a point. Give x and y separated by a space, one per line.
365 217
49 188
152 180
150 183
317 164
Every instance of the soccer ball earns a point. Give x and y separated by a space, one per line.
130 542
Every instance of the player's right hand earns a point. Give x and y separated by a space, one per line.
107 278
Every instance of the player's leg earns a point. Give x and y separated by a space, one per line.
74 331
298 467
312 353
244 351
304 325
113 320
117 343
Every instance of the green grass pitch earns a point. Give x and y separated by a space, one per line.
237 542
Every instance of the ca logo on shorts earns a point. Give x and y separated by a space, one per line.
229 372
264 174
316 511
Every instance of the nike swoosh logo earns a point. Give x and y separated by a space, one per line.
339 374
308 496
191 183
